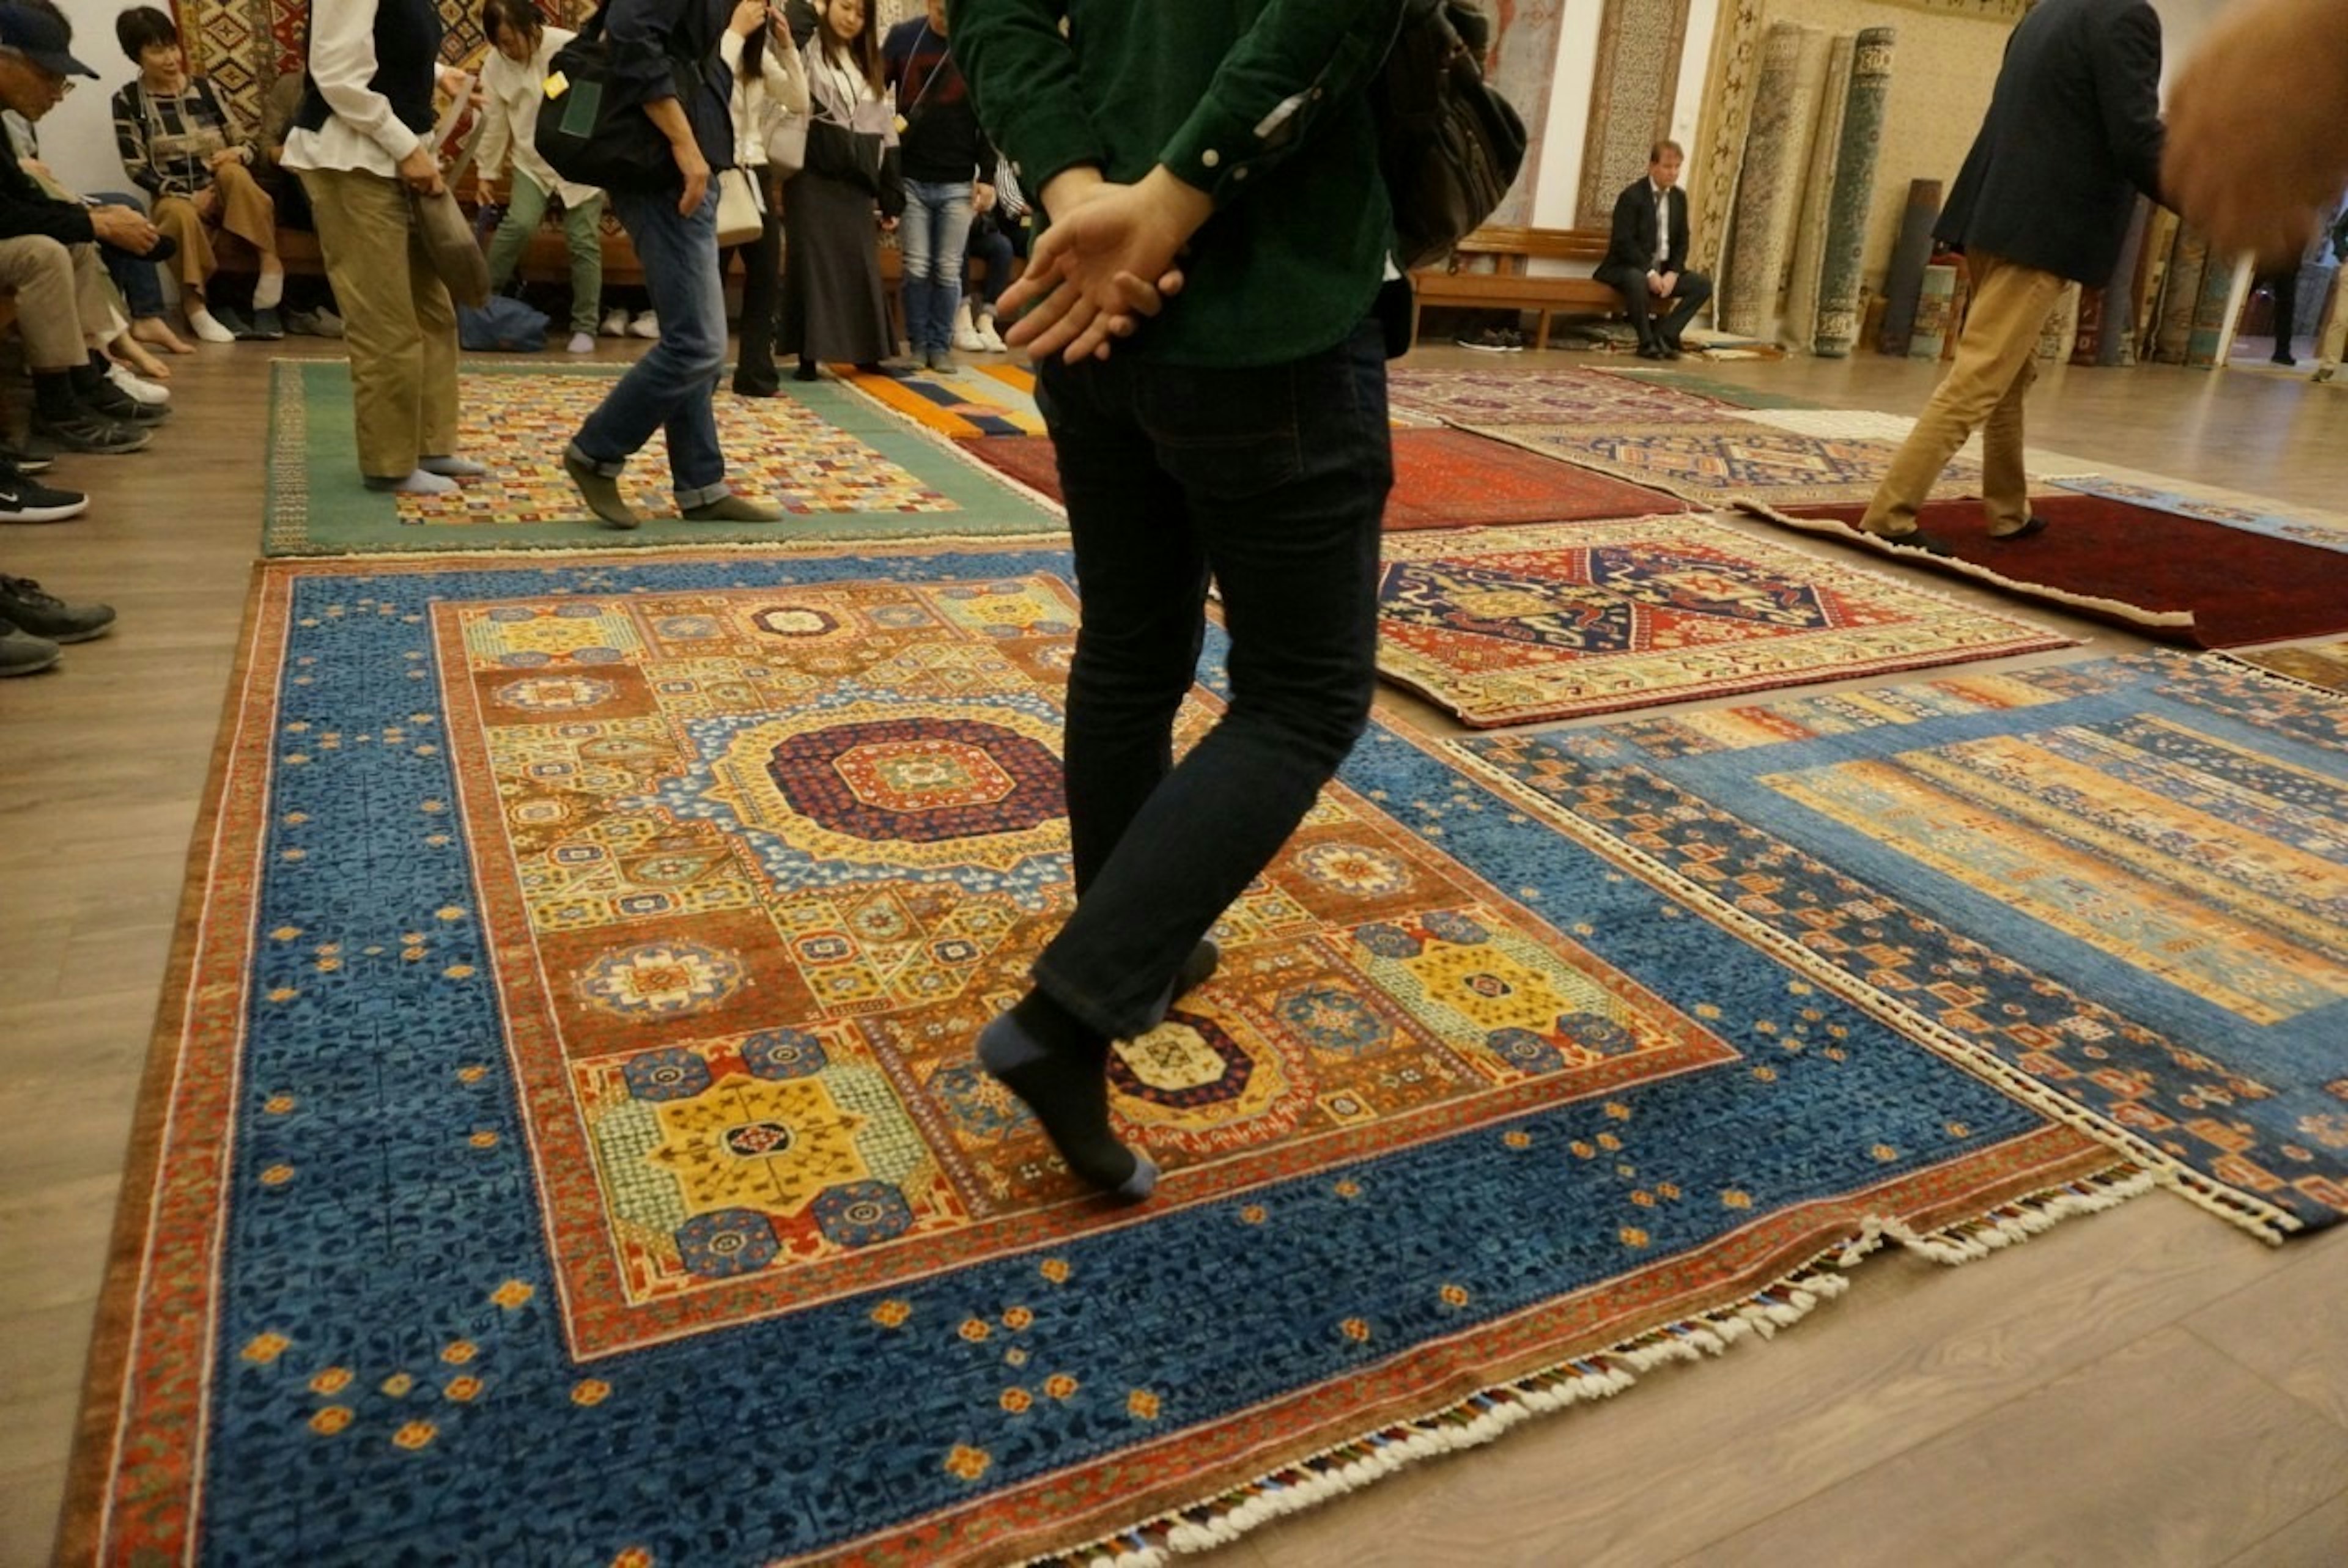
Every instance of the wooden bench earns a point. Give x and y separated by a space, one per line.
1510 286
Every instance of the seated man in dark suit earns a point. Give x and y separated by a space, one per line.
1646 259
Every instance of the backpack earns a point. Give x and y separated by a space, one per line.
505 324
1448 144
586 137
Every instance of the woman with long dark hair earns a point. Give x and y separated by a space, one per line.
769 82
833 306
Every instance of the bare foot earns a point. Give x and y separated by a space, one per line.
126 349
156 331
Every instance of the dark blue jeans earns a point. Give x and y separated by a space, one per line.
670 387
1273 480
134 275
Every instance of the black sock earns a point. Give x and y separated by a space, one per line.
1058 1066
53 394
86 379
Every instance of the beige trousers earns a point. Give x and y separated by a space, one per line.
400 327
2334 336
1983 390
245 210
62 302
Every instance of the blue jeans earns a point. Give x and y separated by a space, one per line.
671 386
1274 480
988 243
135 275
936 228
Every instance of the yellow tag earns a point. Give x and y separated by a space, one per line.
557 84
901 123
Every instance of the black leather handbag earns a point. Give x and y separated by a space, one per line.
1448 143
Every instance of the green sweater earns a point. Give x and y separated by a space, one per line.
1259 103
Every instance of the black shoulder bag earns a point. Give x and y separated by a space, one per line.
1448 143
586 134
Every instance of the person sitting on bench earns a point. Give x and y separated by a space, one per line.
1646 259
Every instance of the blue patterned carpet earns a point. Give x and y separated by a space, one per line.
2136 870
359 1332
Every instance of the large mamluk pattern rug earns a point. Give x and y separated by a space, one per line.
1520 625
2129 879
840 466
1728 461
565 1144
1443 479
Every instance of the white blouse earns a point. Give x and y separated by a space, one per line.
514 92
780 88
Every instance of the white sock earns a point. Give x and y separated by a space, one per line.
270 290
449 466
201 322
420 483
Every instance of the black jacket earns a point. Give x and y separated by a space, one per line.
650 38
2074 132
25 209
1633 241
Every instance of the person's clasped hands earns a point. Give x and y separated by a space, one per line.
1109 259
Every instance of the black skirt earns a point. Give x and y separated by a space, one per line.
834 309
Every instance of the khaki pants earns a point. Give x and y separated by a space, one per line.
1983 390
243 208
2334 336
62 302
400 328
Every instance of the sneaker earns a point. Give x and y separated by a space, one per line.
645 325
730 508
2282 356
965 330
2324 371
989 340
84 431
23 606
239 329
268 325
615 324
581 343
1493 340
30 457
941 360
600 490
22 653
130 384
302 323
107 401
23 501
329 324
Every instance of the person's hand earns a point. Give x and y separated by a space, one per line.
749 15
453 82
222 158
695 169
982 197
124 226
420 170
2253 154
208 202
1664 284
36 167
1107 260
888 224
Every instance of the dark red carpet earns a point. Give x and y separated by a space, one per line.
1443 479
2239 586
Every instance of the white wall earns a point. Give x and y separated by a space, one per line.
78 136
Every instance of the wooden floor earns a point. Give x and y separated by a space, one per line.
2147 1386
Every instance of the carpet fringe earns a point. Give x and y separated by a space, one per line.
2268 1222
1842 530
2243 666
1485 1416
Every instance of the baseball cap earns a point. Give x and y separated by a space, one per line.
42 39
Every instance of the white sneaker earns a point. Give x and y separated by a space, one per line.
582 342
989 339
645 325
615 324
965 336
138 386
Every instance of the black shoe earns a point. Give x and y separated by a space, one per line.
1672 350
807 372
2281 357
1651 351
28 458
23 606
87 432
1918 540
268 325
22 653
2033 524
24 501
756 384
109 401
238 327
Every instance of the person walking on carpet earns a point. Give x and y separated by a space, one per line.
2045 197
1242 436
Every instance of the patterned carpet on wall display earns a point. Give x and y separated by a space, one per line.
844 467
2126 879
564 1143
1443 479
1516 625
